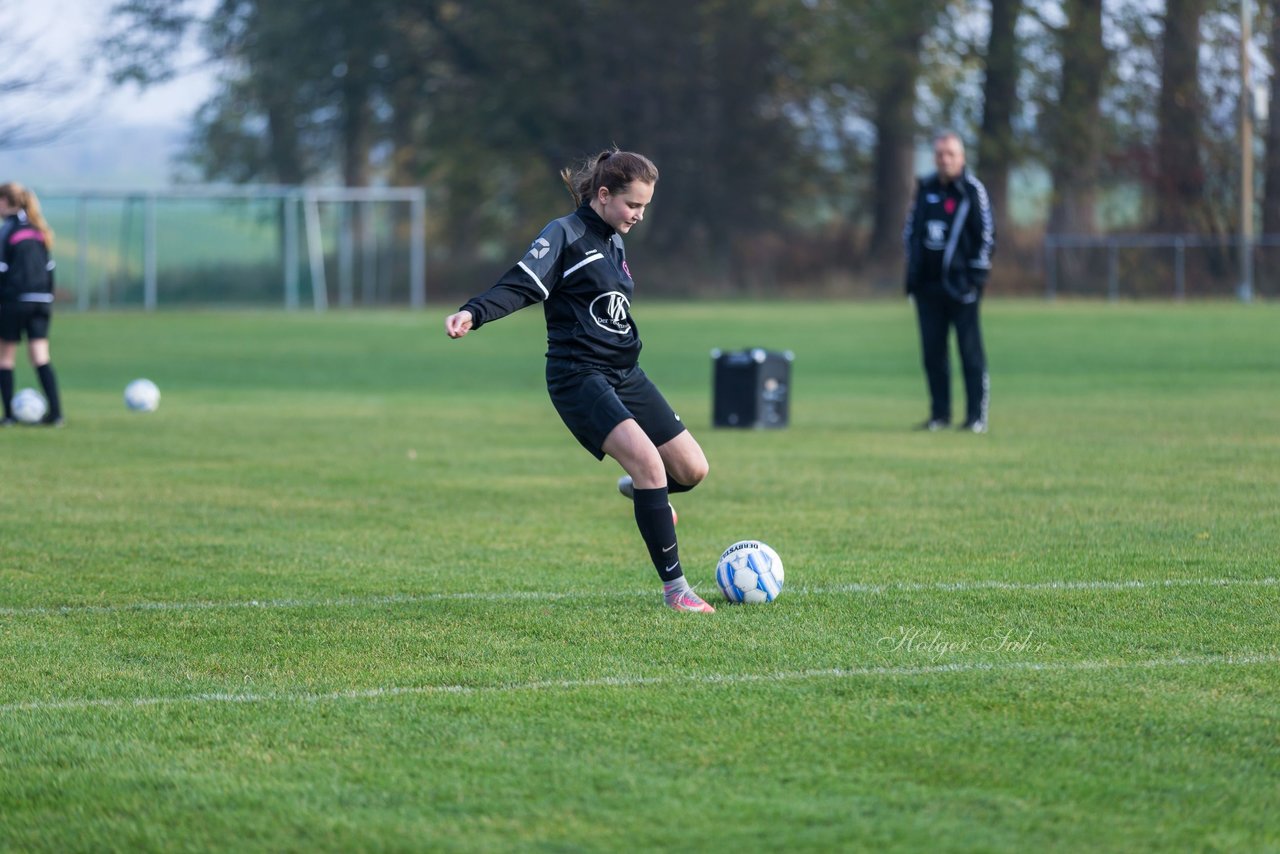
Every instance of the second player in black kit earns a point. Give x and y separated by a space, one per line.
577 268
26 296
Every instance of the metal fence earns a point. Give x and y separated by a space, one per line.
1175 266
211 245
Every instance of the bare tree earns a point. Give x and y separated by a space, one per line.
1073 126
1271 166
996 145
900 30
1180 179
27 100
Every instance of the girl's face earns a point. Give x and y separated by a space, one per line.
6 209
624 208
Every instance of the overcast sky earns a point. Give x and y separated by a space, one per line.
66 32
104 136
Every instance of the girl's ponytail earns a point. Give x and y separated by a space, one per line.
20 197
611 169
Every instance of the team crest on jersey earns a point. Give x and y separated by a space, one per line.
612 312
540 247
937 234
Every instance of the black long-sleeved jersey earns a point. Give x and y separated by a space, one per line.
577 269
949 237
26 270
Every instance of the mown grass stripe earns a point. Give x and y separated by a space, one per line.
546 595
1233 660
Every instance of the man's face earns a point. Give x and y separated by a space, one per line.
948 155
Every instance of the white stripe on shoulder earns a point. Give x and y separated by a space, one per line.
523 266
593 255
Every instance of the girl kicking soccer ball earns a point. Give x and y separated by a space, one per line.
577 269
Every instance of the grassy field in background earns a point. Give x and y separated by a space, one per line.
188 231
354 587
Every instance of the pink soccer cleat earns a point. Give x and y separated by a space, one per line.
688 601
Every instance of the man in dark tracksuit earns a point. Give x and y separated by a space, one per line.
949 239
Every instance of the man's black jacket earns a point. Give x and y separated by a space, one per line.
971 239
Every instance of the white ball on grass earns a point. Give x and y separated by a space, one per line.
749 572
28 406
142 395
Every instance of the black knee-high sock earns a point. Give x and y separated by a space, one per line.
6 390
653 518
673 487
49 382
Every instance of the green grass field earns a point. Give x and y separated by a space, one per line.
354 587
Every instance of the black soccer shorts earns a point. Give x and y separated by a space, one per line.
30 317
592 400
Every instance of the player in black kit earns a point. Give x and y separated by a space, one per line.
26 296
577 269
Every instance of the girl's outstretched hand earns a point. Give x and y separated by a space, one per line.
457 325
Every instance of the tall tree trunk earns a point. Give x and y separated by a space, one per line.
895 141
1180 178
1271 165
1074 143
357 120
894 119
999 94
282 138
406 158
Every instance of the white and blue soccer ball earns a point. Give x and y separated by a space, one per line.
28 406
142 396
749 572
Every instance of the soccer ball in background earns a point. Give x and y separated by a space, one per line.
28 406
142 396
749 572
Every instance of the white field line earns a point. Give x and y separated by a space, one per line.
1049 586
540 596
706 679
